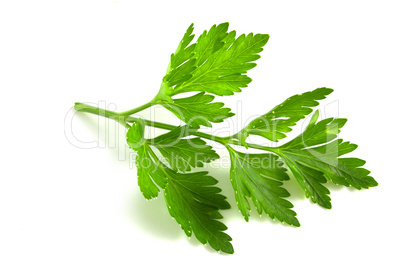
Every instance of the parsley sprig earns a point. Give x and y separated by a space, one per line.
217 64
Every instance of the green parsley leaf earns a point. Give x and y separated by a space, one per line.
223 72
148 171
199 110
181 62
194 204
209 42
191 198
274 124
182 154
135 135
311 180
314 159
216 63
258 177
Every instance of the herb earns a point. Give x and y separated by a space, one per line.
217 64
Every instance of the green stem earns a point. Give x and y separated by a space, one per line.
150 123
124 120
138 109
82 107
160 125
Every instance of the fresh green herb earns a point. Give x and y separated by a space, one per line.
217 64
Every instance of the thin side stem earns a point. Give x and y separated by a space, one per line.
150 123
222 140
138 109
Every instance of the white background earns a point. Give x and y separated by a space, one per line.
65 206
